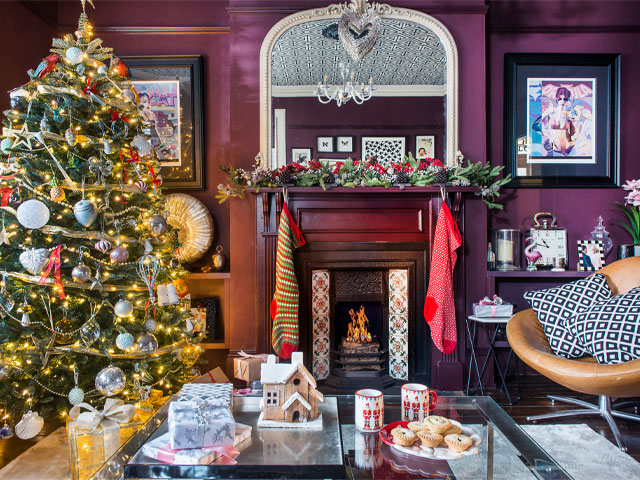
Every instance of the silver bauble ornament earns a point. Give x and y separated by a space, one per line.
129 95
33 214
29 426
34 260
119 254
103 245
16 102
71 136
110 381
123 308
158 225
5 145
107 146
90 332
124 341
76 395
147 343
81 273
85 212
74 55
142 145
150 325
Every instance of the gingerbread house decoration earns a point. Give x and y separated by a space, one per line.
289 391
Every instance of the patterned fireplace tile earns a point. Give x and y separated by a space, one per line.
320 313
399 323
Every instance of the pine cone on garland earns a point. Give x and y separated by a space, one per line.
285 176
442 176
402 177
329 177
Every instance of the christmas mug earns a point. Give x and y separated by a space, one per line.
417 401
369 410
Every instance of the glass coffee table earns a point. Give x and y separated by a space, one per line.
504 450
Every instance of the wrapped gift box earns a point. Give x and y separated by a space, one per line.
248 368
504 310
160 449
212 376
213 393
196 425
87 450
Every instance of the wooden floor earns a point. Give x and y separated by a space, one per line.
534 401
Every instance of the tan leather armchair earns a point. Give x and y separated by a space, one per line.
584 375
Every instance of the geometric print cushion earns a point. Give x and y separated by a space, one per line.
555 305
610 330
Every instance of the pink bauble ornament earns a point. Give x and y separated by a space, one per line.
119 254
103 245
142 186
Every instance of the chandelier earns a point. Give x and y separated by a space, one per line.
347 91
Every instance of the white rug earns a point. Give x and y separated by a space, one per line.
583 453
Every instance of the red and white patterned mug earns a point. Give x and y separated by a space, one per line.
369 410
417 401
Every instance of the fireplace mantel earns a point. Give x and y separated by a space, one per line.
400 218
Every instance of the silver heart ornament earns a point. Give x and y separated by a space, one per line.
34 260
358 48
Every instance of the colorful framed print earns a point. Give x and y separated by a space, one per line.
170 91
425 146
325 144
562 120
388 149
590 255
344 144
300 155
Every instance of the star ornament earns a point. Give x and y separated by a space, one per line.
97 281
23 137
48 349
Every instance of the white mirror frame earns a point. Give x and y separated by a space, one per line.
336 11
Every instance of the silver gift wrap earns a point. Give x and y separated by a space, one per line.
197 425
215 393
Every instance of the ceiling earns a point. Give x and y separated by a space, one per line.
405 54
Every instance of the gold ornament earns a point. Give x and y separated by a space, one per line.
56 193
63 328
189 355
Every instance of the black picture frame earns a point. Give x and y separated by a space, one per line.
183 167
582 148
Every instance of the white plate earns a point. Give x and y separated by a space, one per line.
442 451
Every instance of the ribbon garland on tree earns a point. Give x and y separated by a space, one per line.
54 261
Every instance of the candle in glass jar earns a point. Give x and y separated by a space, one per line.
505 251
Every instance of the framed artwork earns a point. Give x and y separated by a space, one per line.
344 144
590 255
425 146
170 91
386 149
562 120
300 155
325 144
204 314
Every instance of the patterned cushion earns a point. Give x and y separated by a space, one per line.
610 330
555 305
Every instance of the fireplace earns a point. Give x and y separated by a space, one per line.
367 247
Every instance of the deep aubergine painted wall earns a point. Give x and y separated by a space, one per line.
307 119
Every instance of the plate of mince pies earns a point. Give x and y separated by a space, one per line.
434 437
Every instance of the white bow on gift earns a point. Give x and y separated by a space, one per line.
114 413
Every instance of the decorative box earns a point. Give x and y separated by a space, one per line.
90 448
160 449
247 367
197 425
504 310
213 393
212 376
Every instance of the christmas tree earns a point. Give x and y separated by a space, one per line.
84 241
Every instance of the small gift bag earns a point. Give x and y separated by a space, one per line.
96 435
197 425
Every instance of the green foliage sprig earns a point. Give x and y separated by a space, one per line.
371 173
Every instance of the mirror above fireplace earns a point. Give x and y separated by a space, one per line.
413 65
